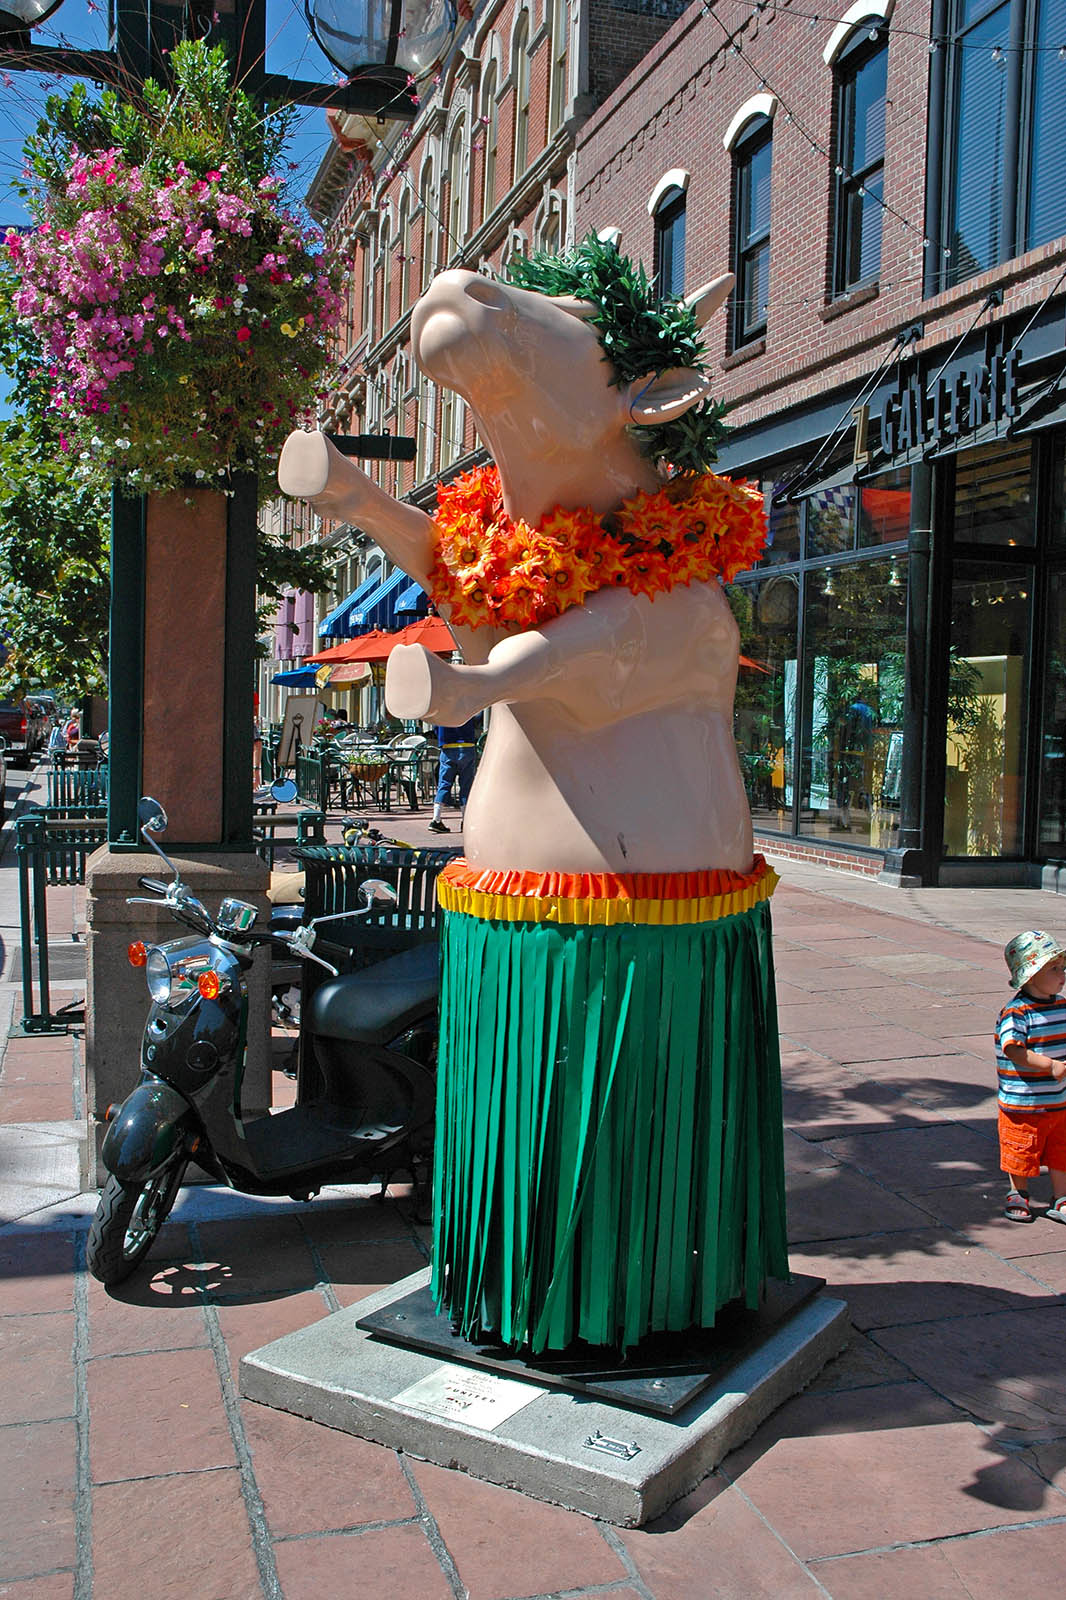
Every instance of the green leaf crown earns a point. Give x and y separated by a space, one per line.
641 331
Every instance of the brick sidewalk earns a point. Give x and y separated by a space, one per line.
929 1460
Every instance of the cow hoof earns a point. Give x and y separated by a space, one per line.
409 681
303 470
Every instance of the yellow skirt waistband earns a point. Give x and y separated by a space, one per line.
665 899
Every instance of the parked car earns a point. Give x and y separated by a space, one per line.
45 701
25 727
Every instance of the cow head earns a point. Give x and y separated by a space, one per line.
548 400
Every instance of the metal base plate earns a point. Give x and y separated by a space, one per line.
661 1374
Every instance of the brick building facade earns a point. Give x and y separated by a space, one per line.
883 180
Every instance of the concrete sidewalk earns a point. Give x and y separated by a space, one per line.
929 1460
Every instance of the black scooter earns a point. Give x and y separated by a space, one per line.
372 1036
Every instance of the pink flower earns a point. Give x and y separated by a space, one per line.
244 334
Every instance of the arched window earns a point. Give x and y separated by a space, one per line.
752 156
403 249
550 231
859 91
385 265
429 230
667 209
520 77
560 47
369 250
454 218
490 118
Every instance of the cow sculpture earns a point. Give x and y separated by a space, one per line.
608 1154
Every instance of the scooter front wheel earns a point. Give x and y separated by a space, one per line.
127 1220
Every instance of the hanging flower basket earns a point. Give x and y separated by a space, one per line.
182 310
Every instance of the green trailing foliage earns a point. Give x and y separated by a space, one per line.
641 332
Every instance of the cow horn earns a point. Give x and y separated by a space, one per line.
703 303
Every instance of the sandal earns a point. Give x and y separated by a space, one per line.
1056 1211
1018 1209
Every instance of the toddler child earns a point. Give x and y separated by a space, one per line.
1031 1062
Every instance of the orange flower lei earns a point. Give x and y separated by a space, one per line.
490 571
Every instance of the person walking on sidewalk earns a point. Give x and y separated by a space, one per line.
458 759
1031 1063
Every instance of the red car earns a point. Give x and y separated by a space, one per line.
24 729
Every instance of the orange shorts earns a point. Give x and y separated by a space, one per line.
1030 1140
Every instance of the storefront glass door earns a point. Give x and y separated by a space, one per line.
1052 819
987 696
851 749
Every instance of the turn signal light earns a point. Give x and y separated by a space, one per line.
209 985
113 1110
137 953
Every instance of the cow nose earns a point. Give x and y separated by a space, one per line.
484 292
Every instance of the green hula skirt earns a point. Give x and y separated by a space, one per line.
609 1153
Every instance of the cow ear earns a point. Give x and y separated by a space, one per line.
703 303
662 396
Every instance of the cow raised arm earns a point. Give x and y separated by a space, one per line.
610 743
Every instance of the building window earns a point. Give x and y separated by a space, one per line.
403 257
557 95
520 74
861 82
454 215
490 119
428 230
425 431
751 162
670 243
1004 100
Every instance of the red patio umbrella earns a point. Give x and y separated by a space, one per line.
350 650
432 632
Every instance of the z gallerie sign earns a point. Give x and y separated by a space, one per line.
933 416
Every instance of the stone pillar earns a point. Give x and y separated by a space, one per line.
116 994
182 675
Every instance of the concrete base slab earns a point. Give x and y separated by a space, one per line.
605 1460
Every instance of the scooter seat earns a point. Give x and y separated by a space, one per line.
373 1006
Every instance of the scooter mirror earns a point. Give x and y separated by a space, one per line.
150 815
375 891
284 789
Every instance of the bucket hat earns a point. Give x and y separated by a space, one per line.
1028 952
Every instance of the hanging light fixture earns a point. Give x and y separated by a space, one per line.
409 35
18 15
827 586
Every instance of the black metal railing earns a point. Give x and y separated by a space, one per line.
77 786
52 845
333 876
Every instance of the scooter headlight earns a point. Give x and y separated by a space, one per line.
157 971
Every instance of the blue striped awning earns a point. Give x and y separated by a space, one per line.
412 602
336 624
377 610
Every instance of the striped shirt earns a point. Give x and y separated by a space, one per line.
1039 1025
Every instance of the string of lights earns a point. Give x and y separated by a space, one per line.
933 41
792 120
